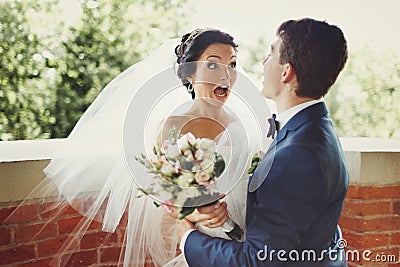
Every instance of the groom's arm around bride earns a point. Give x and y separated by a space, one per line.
296 194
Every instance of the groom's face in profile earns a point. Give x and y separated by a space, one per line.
272 84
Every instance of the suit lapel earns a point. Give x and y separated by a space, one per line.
310 113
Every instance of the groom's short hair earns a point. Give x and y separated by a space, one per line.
316 50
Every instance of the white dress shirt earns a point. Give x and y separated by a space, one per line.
285 116
183 240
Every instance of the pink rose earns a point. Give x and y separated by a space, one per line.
202 178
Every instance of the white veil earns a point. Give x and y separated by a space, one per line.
95 172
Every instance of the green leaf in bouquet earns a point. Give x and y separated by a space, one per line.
140 160
185 211
219 165
174 134
185 164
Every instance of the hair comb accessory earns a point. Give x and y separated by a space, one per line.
195 33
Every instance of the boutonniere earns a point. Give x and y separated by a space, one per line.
255 161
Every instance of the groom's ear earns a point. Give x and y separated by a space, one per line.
288 73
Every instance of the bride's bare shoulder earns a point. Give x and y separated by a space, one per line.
175 121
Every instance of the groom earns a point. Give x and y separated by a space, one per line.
293 205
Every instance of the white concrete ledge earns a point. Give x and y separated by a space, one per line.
46 149
371 161
19 178
30 149
21 166
367 144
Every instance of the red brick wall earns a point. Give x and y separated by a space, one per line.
371 220
21 245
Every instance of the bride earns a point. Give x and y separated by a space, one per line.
96 166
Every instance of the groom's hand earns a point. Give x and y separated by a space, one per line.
183 226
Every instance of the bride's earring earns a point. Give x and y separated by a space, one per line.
190 88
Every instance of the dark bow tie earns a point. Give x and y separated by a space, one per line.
273 126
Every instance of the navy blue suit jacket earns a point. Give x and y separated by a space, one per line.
297 206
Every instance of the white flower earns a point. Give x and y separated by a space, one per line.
207 145
191 139
188 155
189 176
177 167
202 177
209 168
183 181
196 168
166 145
167 169
209 156
172 151
183 195
183 143
198 154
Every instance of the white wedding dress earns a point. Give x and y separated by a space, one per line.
235 198
95 172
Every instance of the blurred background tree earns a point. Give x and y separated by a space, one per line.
50 72
113 36
364 101
23 112
49 79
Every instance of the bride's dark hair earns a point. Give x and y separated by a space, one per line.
193 45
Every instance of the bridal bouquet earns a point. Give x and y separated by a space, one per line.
183 162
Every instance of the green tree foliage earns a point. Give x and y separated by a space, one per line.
365 99
72 65
22 103
48 77
113 36
251 55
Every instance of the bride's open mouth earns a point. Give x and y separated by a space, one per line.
221 91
